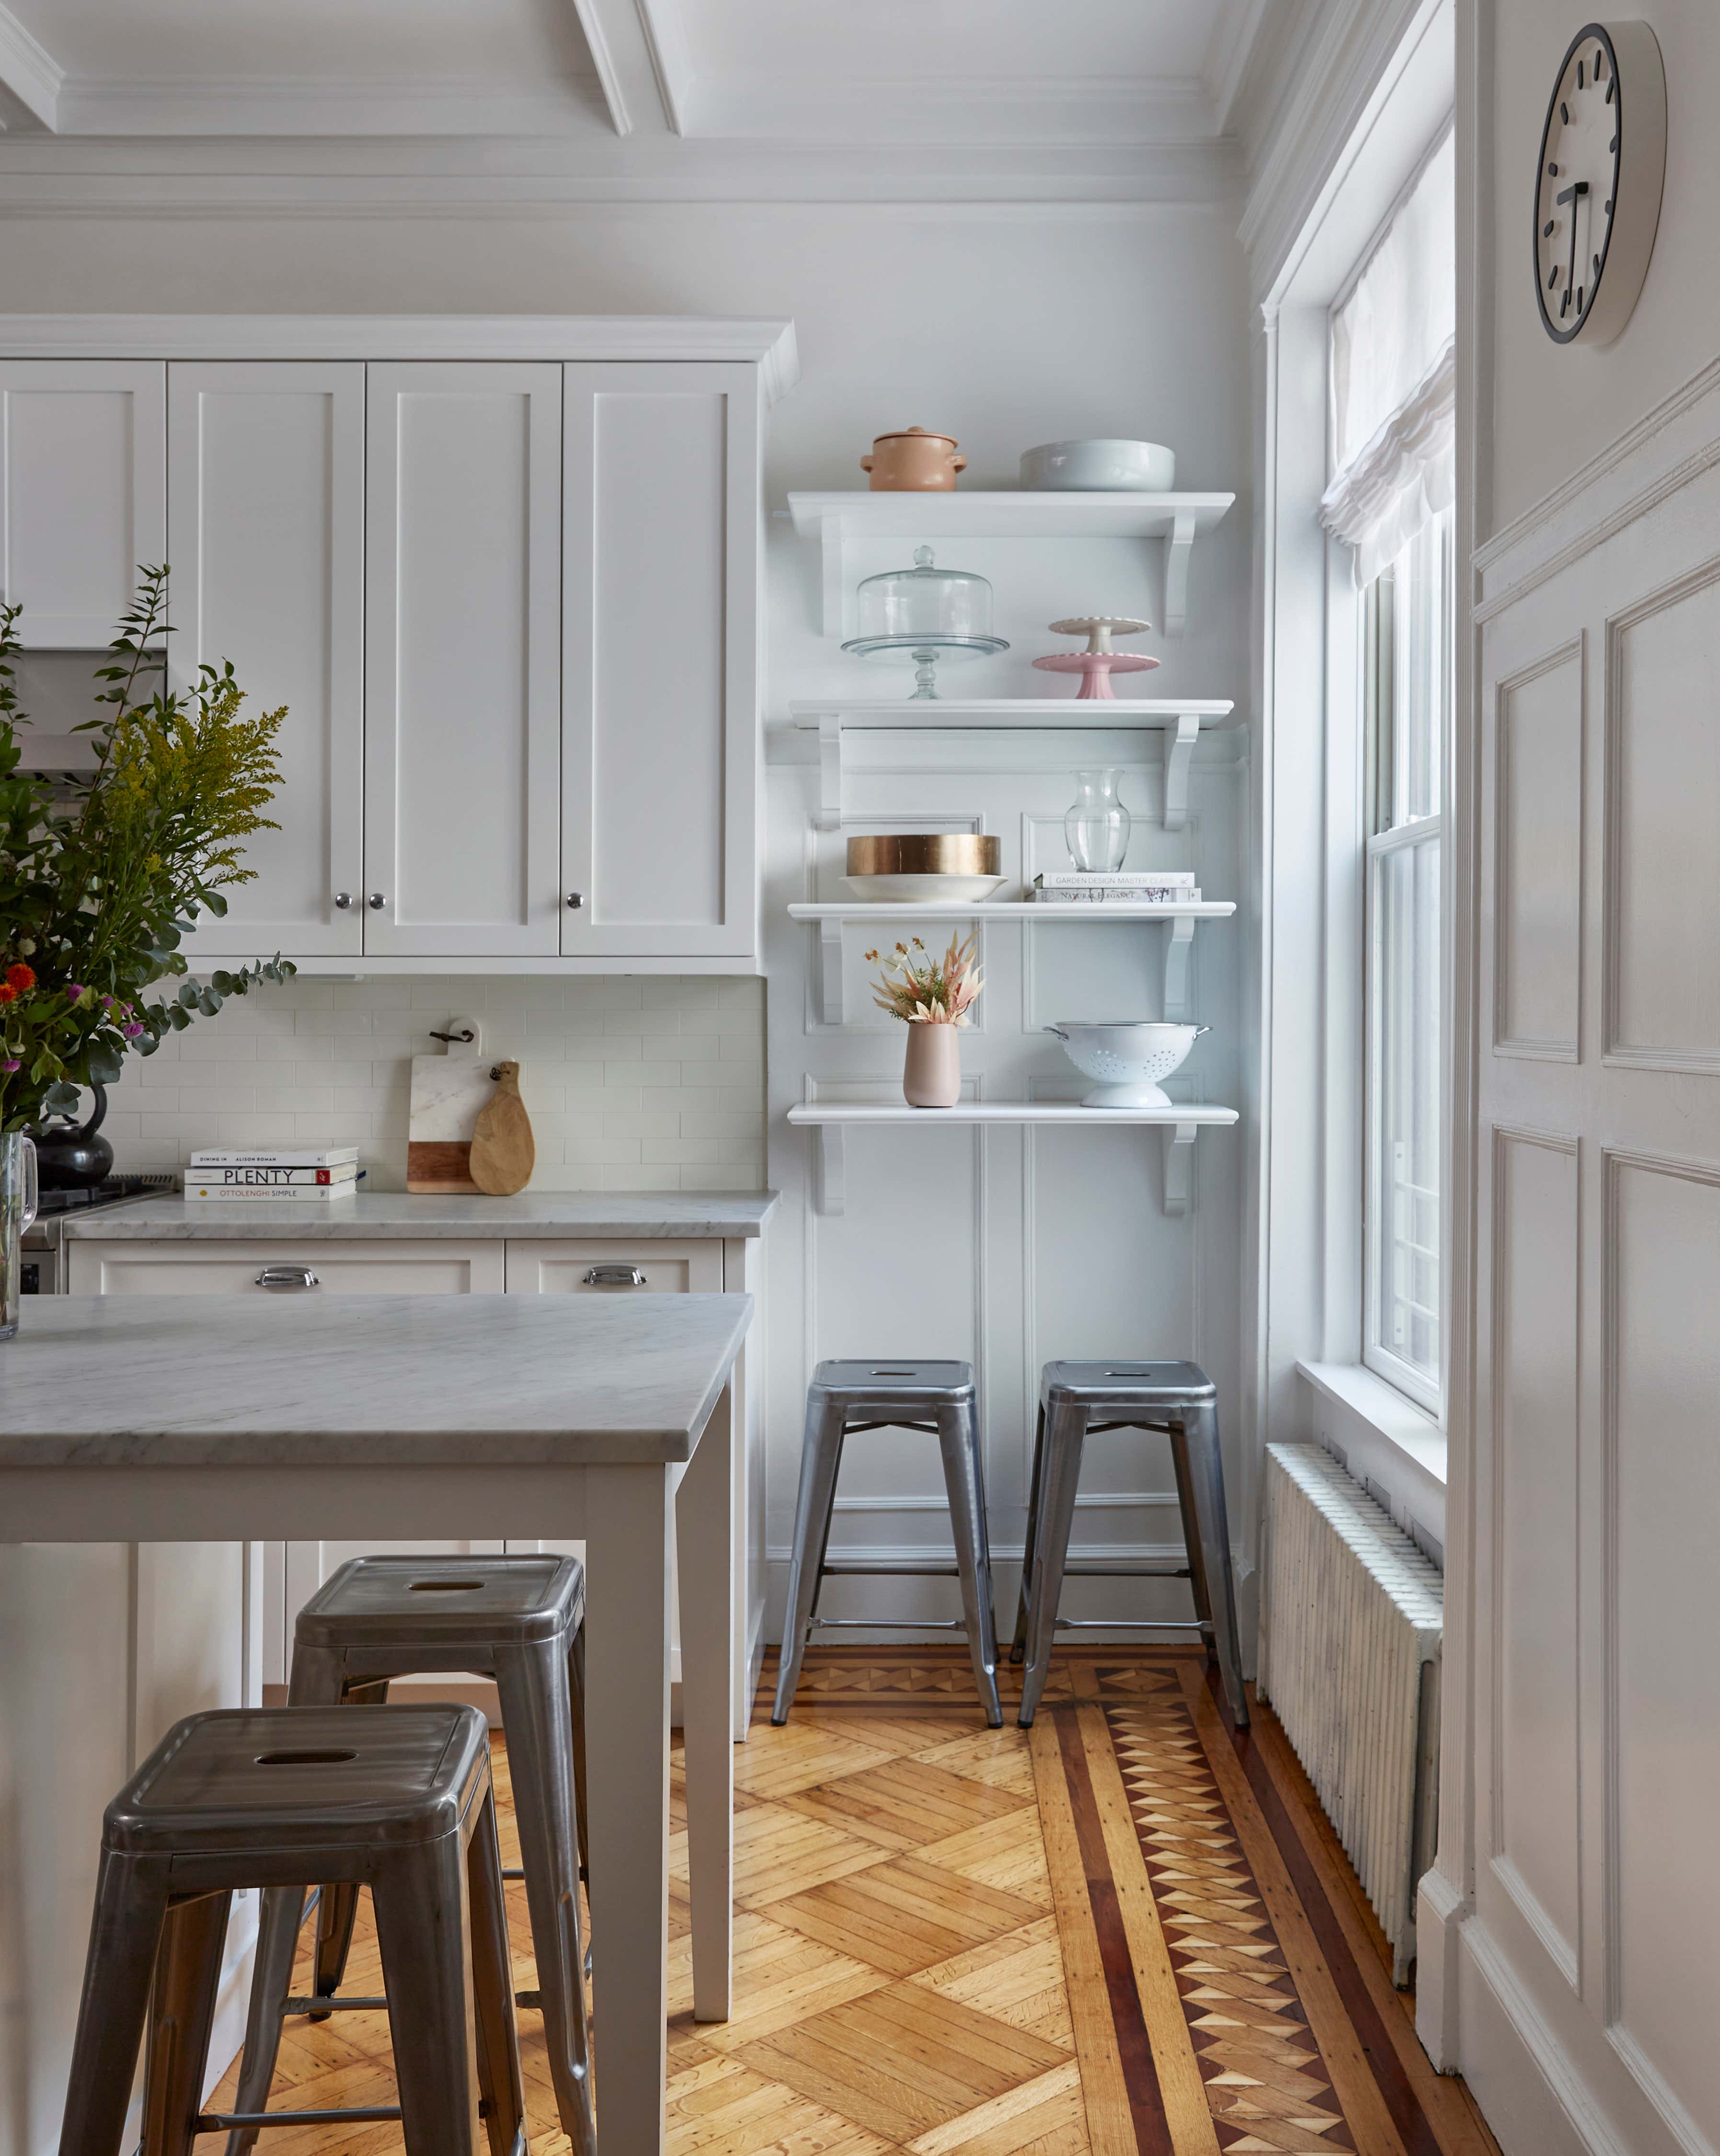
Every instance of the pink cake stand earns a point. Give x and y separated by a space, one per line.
1096 669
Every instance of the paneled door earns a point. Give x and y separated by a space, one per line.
463 666
266 535
82 493
660 663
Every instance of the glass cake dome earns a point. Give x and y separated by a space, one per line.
925 614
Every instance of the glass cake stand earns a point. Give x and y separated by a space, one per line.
926 651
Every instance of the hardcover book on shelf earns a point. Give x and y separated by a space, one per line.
275 1193
1156 894
277 1178
213 1156
1114 880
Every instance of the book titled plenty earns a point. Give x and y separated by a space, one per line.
275 1179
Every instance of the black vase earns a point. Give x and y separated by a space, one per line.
70 1156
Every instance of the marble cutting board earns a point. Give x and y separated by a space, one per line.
447 1092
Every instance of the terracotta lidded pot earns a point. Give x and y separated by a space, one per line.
914 462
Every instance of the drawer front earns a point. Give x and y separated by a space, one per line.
283 1267
607 1268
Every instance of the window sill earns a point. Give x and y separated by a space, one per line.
1408 1431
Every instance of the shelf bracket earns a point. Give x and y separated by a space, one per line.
1177 947
830 774
829 972
1178 755
829 1170
1179 550
1178 1169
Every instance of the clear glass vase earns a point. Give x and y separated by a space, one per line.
1095 826
18 1208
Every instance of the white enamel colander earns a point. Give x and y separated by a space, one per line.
1131 1056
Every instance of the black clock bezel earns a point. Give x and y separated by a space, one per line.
1590 33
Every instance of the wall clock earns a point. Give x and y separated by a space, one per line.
1598 184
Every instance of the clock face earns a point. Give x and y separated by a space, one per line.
1598 181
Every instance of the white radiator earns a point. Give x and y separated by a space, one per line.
1351 1614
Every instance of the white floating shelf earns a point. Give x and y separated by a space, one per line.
1181 719
1179 919
836 520
1179 1122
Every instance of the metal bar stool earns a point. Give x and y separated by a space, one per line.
396 1799
844 1399
519 1621
1079 1400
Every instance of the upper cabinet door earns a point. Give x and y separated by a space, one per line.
266 536
462 665
82 498
660 661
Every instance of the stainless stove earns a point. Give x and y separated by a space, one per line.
43 1265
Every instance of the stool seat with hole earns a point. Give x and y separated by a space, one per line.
1079 1400
396 1799
518 1621
844 1398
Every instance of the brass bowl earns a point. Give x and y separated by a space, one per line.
925 853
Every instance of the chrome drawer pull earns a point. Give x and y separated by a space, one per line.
287 1276
616 1276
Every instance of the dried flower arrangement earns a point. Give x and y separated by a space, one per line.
927 991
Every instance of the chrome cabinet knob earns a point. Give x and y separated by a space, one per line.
616 1276
376 901
343 899
287 1276
576 899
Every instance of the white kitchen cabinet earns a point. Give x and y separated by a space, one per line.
265 531
82 493
660 664
334 1267
653 1267
463 662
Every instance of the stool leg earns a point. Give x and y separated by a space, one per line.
500 2083
181 2011
965 1482
538 1717
337 1905
820 1455
1199 1477
1059 1476
124 1933
271 1979
1018 1651
423 1926
577 1700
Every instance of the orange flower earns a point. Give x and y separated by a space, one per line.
8 994
19 978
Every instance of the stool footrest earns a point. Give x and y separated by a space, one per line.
1122 1624
508 1873
223 2121
334 2006
1092 1568
880 1625
859 1569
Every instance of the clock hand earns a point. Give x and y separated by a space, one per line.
1570 194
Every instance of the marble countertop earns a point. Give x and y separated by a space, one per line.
395 1216
197 1381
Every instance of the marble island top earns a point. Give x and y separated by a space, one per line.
123 1381
398 1216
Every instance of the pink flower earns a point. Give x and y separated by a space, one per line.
10 1063
131 1031
74 989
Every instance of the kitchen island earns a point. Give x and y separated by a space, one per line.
220 1419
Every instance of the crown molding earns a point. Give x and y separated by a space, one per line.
1236 26
315 107
30 75
998 109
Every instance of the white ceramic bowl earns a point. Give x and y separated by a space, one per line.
1130 1057
1099 467
921 890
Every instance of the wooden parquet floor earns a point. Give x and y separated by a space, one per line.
1126 1932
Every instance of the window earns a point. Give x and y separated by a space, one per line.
1407 701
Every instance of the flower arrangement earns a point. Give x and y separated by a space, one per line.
97 890
924 990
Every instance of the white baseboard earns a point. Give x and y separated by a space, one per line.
1441 1913
1527 2085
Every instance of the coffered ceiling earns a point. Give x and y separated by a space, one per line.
673 87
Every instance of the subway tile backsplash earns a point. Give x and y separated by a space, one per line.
632 1083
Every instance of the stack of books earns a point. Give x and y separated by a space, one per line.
1122 887
295 1176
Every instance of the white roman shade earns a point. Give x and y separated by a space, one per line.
1393 379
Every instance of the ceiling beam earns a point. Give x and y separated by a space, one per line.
29 77
640 51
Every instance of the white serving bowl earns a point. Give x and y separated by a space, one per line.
1130 1056
1099 467
921 890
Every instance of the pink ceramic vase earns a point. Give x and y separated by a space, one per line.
931 1073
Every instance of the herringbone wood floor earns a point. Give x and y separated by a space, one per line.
1124 1934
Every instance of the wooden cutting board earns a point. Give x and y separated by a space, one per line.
448 1092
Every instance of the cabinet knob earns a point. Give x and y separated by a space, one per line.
343 899
576 899
376 902
287 1276
616 1276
